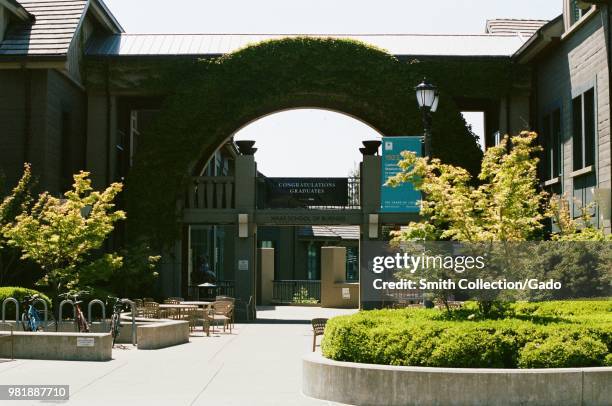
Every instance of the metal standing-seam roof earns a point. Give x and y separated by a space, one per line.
514 26
502 45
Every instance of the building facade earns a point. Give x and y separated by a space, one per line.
72 98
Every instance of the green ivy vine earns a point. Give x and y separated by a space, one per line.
210 99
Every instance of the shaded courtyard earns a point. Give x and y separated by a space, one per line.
258 364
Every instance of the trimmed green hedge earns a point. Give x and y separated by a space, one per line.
546 335
18 293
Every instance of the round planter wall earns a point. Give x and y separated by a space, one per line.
365 384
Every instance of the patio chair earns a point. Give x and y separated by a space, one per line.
248 307
318 328
151 310
222 310
139 307
6 334
206 319
190 314
229 299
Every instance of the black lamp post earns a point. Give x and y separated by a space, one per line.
427 97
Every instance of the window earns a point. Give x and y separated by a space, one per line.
583 194
583 137
66 152
140 120
551 131
352 264
578 9
313 262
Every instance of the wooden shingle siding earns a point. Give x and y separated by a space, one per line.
579 63
52 33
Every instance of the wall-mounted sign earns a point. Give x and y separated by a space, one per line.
401 199
346 293
243 265
304 192
85 342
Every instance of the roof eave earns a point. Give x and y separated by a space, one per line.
17 9
105 16
539 41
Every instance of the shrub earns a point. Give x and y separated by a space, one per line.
563 351
19 293
532 335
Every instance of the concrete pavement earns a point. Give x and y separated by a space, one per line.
258 364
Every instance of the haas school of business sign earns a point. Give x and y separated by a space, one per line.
305 192
403 198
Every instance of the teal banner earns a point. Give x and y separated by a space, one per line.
401 199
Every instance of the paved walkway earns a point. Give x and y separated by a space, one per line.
259 364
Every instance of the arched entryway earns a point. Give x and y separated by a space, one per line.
218 97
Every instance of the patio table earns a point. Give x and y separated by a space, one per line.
179 307
198 303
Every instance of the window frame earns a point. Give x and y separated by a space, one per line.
552 140
584 135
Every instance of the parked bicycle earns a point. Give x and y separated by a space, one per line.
79 320
33 319
115 325
30 318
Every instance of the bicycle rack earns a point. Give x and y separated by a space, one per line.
10 299
133 306
61 308
102 305
46 309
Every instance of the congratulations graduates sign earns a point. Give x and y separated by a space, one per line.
403 198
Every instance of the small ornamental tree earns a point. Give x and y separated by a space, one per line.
571 229
503 205
11 206
62 235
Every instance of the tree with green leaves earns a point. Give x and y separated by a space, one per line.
505 205
62 235
502 205
12 206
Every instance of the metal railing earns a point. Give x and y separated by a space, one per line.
226 288
210 192
296 291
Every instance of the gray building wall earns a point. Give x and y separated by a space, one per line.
12 129
32 103
580 62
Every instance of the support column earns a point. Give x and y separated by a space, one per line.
266 267
371 181
245 258
335 290
101 140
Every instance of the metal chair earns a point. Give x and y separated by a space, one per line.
151 310
318 328
249 308
10 328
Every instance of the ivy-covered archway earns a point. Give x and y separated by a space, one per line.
219 96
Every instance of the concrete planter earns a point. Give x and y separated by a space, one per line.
365 384
59 346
